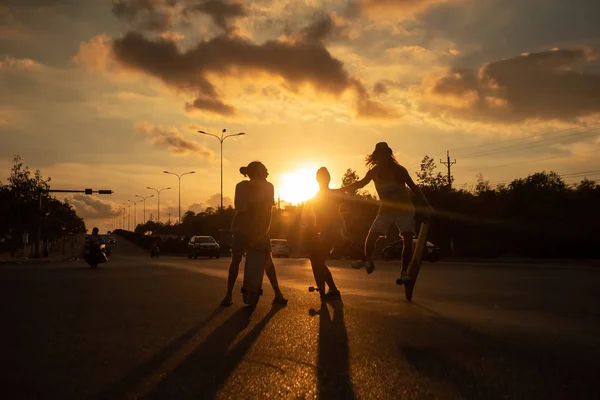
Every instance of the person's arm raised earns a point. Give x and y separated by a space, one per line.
359 184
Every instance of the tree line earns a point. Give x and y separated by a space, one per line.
535 216
27 208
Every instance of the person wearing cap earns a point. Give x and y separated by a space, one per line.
326 228
254 200
394 186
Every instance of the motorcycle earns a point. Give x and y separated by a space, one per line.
94 254
155 251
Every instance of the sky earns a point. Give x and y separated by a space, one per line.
108 94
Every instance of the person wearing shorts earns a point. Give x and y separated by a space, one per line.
396 190
327 230
254 200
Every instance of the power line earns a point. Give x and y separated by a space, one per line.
529 161
524 146
517 139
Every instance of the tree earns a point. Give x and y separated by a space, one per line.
483 185
428 178
350 177
23 185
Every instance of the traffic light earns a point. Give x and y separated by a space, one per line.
105 191
88 191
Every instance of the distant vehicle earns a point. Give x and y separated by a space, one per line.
111 240
280 248
205 246
394 251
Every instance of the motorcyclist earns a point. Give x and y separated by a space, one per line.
92 249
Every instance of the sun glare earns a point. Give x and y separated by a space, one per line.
298 185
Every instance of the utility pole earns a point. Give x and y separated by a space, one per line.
449 164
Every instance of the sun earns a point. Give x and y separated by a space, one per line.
298 185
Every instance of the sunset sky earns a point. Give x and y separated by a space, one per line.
108 94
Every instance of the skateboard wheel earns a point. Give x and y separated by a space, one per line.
399 281
311 289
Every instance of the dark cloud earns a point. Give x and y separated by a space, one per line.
367 108
492 30
546 85
296 62
221 12
160 15
210 104
380 88
172 139
321 28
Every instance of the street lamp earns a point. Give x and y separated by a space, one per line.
135 212
144 200
128 215
221 139
179 178
158 195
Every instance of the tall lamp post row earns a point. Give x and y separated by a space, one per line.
221 139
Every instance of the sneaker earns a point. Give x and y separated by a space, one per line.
370 266
280 300
358 264
226 302
333 295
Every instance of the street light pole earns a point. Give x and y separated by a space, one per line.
158 195
221 139
128 215
135 212
144 200
179 178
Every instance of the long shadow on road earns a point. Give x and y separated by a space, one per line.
204 372
131 383
333 363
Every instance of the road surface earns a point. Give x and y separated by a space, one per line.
146 328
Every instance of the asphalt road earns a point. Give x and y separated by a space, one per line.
142 328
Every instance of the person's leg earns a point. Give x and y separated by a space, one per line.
407 251
317 262
237 252
405 225
272 275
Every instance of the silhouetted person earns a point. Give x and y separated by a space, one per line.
254 200
326 230
392 183
92 248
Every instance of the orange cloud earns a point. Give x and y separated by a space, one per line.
95 54
296 63
545 86
172 139
23 64
392 9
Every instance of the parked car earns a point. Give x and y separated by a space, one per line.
205 246
394 251
280 248
111 240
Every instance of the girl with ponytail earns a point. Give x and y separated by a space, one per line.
254 200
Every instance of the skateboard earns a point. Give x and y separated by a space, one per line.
415 263
257 256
